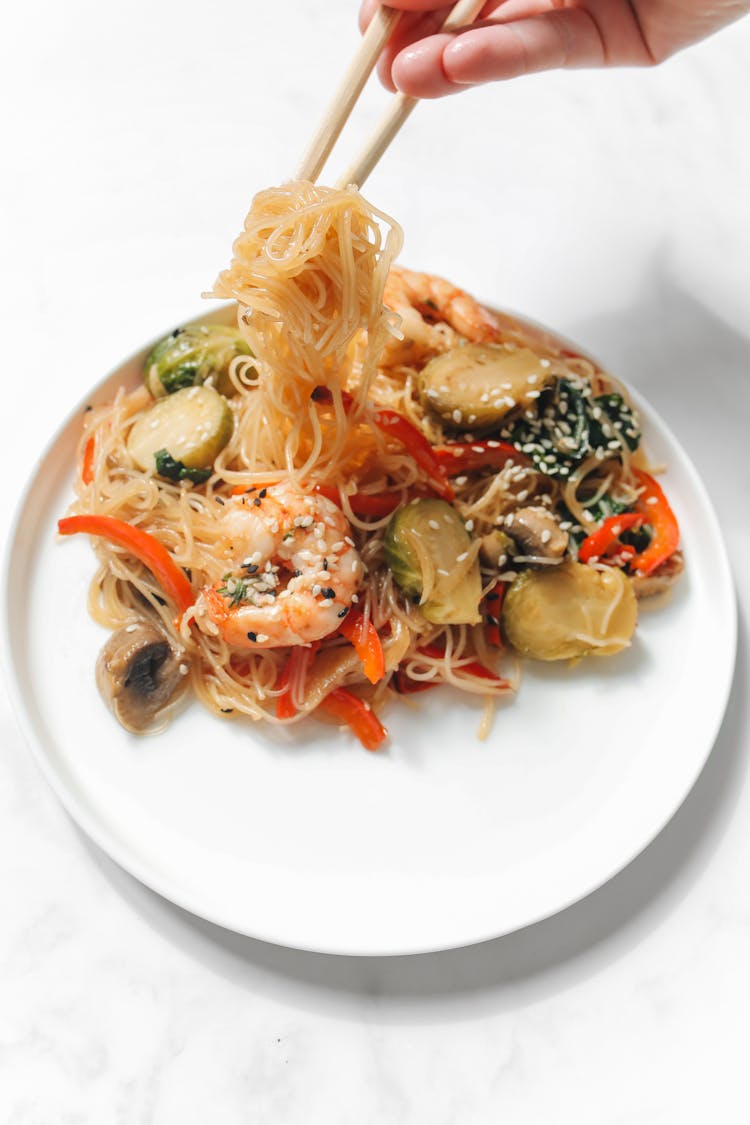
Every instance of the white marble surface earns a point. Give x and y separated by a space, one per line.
613 207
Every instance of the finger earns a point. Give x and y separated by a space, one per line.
443 64
403 5
413 26
420 19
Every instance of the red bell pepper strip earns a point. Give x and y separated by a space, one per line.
362 503
655 509
466 457
366 642
357 715
298 665
493 607
400 428
405 685
143 546
606 536
87 464
473 667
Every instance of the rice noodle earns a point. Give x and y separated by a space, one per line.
308 275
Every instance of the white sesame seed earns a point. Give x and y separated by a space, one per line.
457 415
461 480
434 525
544 363
533 379
546 535
491 444
131 628
443 572
533 394
509 520
462 556
652 500
261 638
469 525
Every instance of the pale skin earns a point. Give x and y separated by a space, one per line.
515 37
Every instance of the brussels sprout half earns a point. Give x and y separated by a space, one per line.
568 611
474 386
190 356
191 426
427 548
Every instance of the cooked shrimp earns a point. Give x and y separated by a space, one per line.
435 315
298 575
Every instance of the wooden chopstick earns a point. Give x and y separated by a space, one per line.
375 38
462 13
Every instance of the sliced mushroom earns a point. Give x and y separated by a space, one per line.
140 674
649 585
537 532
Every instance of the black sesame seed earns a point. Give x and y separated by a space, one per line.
327 592
252 636
343 612
325 564
227 710
297 573
256 501
263 493
251 568
219 500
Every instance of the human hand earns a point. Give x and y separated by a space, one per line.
515 37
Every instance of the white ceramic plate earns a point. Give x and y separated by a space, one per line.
304 839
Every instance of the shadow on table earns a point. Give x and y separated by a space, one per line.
706 359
